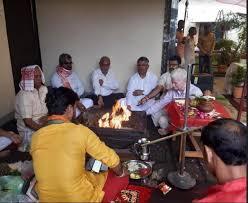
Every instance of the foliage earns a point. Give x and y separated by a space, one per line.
229 22
228 52
239 76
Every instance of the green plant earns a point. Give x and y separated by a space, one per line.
227 22
239 76
228 53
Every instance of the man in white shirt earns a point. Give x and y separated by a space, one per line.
178 79
30 106
65 77
164 83
105 84
140 84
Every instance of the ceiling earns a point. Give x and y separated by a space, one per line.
234 2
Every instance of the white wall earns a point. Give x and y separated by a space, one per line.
89 29
7 91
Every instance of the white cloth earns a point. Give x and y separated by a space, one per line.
165 80
27 81
189 51
4 142
73 79
147 84
87 104
172 95
160 119
229 72
144 107
110 84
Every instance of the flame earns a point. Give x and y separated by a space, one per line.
118 115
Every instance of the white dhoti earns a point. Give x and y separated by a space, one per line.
26 139
160 119
4 142
87 104
134 107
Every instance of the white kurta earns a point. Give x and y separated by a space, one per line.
76 86
189 51
165 80
110 84
29 104
137 83
73 79
157 111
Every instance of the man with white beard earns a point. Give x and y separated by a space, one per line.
178 91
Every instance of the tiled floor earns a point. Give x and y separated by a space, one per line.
219 90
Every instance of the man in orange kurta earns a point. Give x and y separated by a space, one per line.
206 44
58 151
180 40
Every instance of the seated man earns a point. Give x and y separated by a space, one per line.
225 147
105 84
178 79
59 152
140 84
65 77
30 107
7 138
164 83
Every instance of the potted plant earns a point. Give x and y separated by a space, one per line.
231 51
238 80
227 55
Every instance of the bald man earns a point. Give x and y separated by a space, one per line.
105 85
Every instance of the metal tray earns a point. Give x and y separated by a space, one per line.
140 165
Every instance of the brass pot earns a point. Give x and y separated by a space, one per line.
205 106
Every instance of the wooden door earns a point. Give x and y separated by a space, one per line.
22 32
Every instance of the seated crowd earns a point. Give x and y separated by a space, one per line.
44 122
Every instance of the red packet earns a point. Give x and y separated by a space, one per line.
164 188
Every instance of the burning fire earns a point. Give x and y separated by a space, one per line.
118 115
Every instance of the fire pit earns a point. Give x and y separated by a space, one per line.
126 134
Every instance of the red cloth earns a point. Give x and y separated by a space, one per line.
64 74
27 80
144 194
177 118
113 186
233 191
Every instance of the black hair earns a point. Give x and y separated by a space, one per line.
176 58
143 58
191 29
63 57
179 22
58 99
227 137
